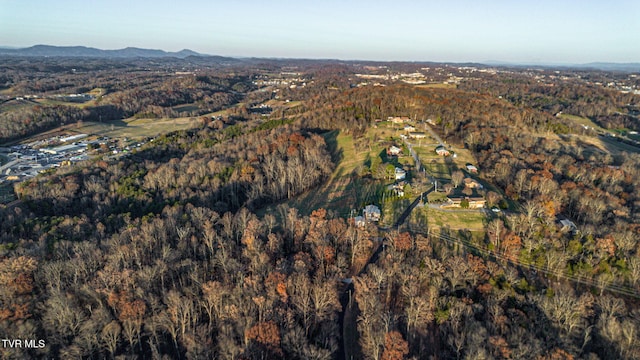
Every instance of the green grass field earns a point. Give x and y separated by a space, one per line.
472 220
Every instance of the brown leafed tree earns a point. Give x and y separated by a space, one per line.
267 335
395 347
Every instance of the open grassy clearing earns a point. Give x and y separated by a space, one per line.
601 143
439 166
53 102
137 128
344 190
186 108
616 146
437 86
582 121
279 103
14 105
472 220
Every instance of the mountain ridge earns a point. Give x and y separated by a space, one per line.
84 51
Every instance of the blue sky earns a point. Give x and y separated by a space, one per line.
542 31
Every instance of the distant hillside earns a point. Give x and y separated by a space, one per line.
626 67
83 51
603 66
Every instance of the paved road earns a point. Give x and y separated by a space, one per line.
410 208
433 134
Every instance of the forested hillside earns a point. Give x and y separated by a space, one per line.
189 248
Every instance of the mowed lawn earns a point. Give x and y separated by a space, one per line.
439 166
472 220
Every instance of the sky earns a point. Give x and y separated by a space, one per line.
518 31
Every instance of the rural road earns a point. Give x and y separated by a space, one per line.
433 134
349 291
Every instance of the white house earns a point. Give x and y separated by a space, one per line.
400 174
394 150
409 128
472 168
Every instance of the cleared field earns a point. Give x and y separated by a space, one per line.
582 121
137 128
13 105
601 143
344 190
51 102
439 166
472 220
615 146
186 107
279 103
437 86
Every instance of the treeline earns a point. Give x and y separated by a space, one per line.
249 171
606 107
356 109
159 255
30 120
